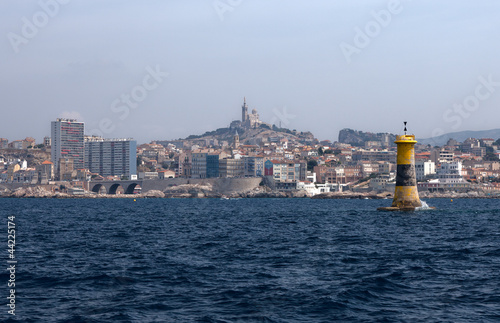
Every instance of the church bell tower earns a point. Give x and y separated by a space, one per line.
244 111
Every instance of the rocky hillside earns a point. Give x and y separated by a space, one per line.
358 138
32 156
248 135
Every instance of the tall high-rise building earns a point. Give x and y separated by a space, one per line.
111 157
67 141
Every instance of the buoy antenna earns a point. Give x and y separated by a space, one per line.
405 127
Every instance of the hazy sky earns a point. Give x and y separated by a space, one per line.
165 69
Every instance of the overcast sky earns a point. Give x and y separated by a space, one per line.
166 69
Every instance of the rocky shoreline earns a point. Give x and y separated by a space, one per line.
207 191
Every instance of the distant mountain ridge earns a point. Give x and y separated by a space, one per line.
460 136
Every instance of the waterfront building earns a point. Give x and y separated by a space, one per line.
184 165
11 170
45 172
284 171
199 164
312 188
424 168
164 174
450 172
111 157
65 169
213 166
254 166
268 168
231 167
449 177
67 141
148 175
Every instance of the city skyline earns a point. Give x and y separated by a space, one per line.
185 69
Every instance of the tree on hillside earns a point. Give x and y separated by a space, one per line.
490 155
311 164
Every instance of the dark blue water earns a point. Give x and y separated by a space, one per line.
252 260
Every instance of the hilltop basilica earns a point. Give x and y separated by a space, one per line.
248 120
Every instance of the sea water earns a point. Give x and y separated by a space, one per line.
252 260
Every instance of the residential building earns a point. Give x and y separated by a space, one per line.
254 166
449 178
285 171
199 164
148 175
312 188
379 183
441 156
385 167
65 169
164 174
268 168
47 141
487 142
18 144
67 142
111 157
450 172
368 168
4 143
11 170
213 166
45 172
374 155
184 165
424 168
231 167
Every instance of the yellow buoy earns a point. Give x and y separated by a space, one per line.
406 192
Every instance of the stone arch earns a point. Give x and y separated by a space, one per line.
97 188
113 188
131 187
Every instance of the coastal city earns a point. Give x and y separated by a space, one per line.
249 158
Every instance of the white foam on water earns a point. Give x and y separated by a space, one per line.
424 207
